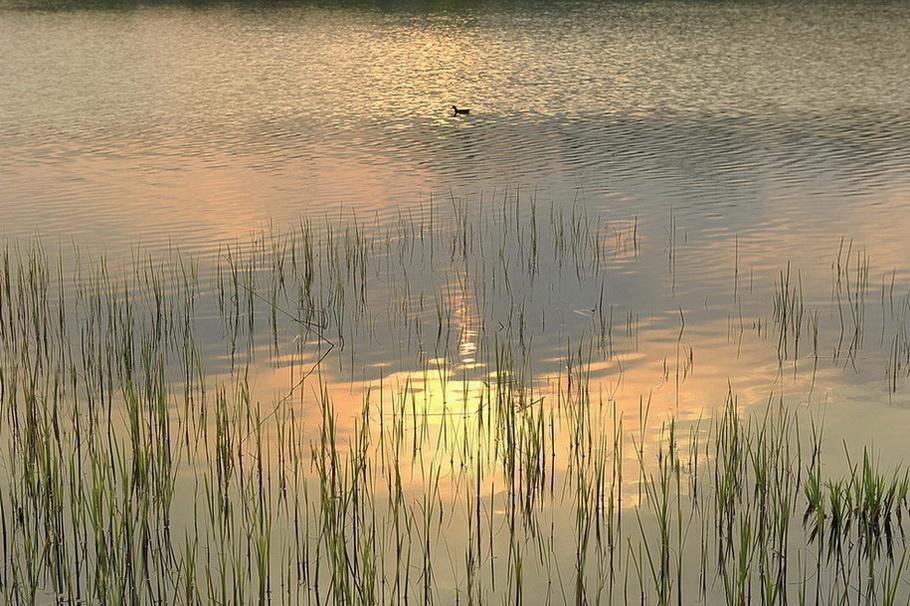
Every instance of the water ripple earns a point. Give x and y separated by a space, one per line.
745 112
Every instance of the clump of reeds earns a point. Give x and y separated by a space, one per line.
177 432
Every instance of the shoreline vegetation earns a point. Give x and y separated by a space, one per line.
393 413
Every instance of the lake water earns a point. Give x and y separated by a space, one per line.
193 126
689 168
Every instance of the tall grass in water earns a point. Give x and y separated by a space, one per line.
353 413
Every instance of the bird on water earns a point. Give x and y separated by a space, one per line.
460 112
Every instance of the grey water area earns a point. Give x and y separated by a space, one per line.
727 152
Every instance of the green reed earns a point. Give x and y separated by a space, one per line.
182 433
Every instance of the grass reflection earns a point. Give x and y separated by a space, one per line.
442 409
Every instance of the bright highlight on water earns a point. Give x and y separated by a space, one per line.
632 330
232 438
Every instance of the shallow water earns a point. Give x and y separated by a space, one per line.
738 137
635 192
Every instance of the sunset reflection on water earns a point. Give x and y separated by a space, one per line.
276 325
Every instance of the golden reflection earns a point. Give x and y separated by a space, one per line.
455 421
498 425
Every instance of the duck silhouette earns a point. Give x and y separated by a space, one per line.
460 112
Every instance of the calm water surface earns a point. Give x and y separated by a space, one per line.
167 124
738 137
710 149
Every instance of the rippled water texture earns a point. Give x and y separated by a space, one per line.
652 209
192 126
